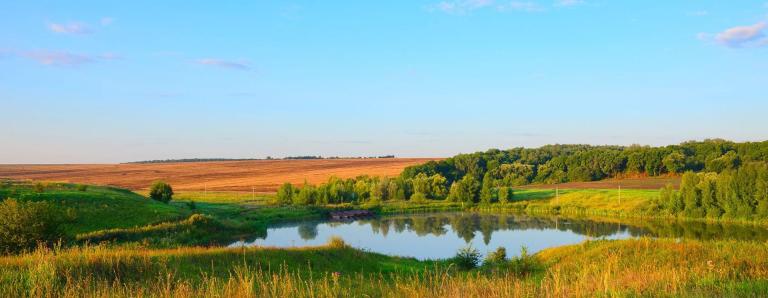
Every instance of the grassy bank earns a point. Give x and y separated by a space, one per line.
92 208
641 267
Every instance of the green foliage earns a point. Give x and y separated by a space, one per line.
337 242
96 207
25 225
674 162
465 190
467 258
740 193
39 187
524 264
285 194
563 163
497 257
161 192
82 187
506 194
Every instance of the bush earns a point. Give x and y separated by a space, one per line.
523 264
337 242
418 198
39 187
497 257
24 225
161 191
467 258
82 187
192 205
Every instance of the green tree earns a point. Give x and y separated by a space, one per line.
488 193
674 162
285 194
161 191
307 195
505 194
465 190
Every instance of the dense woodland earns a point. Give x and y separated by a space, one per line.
490 176
740 193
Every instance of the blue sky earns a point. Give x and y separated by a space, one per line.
114 81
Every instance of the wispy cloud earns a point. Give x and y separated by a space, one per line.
462 6
106 21
741 36
77 28
236 65
569 2
57 58
65 58
525 6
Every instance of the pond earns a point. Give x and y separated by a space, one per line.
440 235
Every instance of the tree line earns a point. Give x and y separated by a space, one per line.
488 177
740 193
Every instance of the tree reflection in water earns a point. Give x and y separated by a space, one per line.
467 225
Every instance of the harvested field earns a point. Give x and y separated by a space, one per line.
263 175
628 183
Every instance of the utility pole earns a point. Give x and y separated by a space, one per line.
205 190
253 192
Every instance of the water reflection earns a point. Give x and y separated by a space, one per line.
440 235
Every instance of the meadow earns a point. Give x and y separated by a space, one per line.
628 268
174 250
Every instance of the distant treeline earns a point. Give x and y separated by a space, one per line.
490 176
246 159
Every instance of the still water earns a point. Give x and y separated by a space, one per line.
440 235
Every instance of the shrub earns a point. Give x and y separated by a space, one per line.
24 225
192 205
39 187
161 191
523 264
82 187
497 257
418 198
337 242
467 258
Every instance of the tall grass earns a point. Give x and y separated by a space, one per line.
641 267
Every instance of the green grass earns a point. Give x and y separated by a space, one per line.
97 207
599 200
232 197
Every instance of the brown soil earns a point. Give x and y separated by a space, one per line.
262 175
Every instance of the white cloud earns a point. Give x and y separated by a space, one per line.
64 58
526 6
462 6
69 28
569 2
57 58
238 65
751 35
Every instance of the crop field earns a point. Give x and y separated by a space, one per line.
256 175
